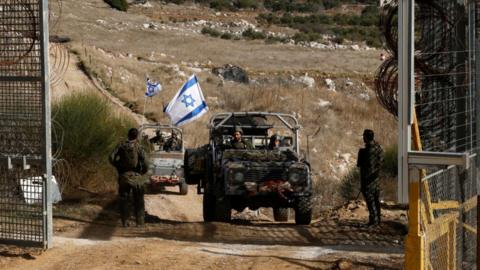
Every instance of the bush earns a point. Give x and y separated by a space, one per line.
308 6
121 5
390 162
226 36
350 186
247 4
252 34
84 133
222 5
211 32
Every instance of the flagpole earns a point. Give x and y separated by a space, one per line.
145 96
145 106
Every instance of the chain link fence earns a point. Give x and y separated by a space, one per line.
446 107
23 122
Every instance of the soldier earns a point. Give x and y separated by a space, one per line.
237 142
173 144
147 145
158 139
274 142
370 160
129 159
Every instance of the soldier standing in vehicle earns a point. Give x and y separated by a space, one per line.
237 141
370 160
274 142
173 144
158 139
129 159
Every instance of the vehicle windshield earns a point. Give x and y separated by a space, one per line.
162 139
257 132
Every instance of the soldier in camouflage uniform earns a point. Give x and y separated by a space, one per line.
129 159
158 139
275 141
173 144
370 160
237 142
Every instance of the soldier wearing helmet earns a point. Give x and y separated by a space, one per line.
173 143
275 141
237 141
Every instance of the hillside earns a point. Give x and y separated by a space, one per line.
299 59
120 49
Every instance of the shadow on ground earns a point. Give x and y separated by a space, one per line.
387 237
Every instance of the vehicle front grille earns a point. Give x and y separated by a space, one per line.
163 170
264 174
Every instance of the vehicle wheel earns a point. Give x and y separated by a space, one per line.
208 207
280 214
223 210
303 210
183 188
186 168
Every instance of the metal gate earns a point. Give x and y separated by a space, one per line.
438 126
25 160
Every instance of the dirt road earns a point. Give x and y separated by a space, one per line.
87 236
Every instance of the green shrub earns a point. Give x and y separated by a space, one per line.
88 127
211 32
222 5
84 132
390 162
252 34
226 36
121 5
252 4
350 185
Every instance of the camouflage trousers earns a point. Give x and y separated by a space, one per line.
371 193
138 191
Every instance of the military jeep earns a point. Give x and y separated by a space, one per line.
255 177
165 163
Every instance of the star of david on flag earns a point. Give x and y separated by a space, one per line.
152 88
188 104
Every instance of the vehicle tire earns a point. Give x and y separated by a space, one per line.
303 210
223 209
280 214
183 188
208 207
186 168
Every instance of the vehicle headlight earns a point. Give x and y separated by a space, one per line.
238 177
294 177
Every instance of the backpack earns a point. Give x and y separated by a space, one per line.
128 157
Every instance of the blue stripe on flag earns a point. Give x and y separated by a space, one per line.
188 84
193 113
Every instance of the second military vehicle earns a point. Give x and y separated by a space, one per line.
165 151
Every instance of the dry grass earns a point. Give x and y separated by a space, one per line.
339 126
127 53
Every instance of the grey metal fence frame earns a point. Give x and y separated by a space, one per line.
25 155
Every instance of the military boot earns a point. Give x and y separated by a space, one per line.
140 219
124 213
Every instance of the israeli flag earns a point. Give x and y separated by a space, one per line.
188 104
152 88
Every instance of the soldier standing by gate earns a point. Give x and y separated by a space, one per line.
129 159
370 160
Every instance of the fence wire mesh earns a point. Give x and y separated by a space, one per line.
445 105
22 122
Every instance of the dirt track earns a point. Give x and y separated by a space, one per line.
87 236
